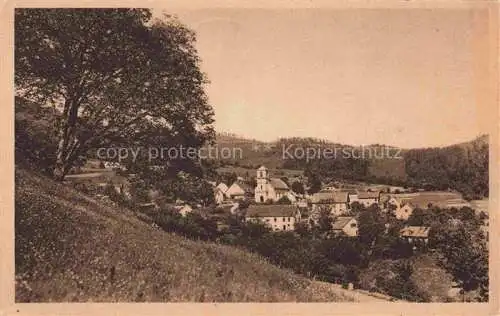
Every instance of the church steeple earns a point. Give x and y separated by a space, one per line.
262 173
262 188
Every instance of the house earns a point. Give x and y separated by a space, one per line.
220 192
219 195
418 235
302 203
121 185
183 209
277 217
391 200
396 189
405 210
367 198
293 197
353 195
330 186
345 225
389 203
110 165
270 189
222 186
337 203
401 207
239 190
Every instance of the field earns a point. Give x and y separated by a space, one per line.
436 198
71 248
480 205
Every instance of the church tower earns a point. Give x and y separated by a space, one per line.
261 191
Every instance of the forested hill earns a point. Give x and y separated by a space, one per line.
463 166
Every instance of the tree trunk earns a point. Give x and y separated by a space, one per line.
66 133
58 173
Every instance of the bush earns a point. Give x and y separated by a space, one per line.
87 187
192 225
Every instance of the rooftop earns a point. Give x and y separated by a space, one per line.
341 222
279 184
330 197
350 191
273 210
245 187
415 231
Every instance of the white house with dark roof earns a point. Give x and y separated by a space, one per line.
415 234
345 225
368 198
277 217
269 189
337 203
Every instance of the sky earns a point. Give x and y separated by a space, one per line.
410 78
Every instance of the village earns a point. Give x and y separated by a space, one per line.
272 202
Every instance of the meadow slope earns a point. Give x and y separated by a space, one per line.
71 248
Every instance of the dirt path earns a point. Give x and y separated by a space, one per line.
358 296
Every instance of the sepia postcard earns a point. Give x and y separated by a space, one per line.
249 157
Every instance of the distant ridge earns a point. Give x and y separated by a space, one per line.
228 137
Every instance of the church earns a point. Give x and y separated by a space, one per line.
269 189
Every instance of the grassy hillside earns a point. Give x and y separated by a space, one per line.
71 248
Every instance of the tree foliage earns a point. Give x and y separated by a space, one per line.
465 255
298 187
119 78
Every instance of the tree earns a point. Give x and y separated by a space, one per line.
140 193
418 217
298 188
357 208
188 188
465 256
284 200
231 178
252 182
314 184
371 227
325 221
302 229
118 77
